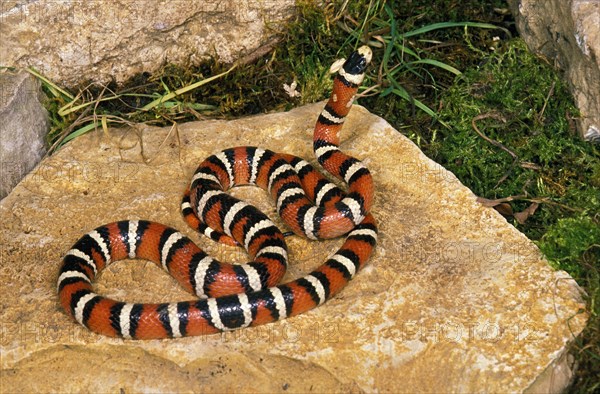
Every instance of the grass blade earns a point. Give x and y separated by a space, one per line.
446 25
51 86
185 89
79 132
67 109
439 64
417 103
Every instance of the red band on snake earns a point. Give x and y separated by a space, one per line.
236 296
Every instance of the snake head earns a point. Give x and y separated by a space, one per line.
358 61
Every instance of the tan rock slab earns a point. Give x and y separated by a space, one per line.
454 299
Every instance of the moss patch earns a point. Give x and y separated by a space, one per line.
512 139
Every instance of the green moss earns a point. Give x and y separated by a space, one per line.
516 99
566 241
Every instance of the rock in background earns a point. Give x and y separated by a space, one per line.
23 127
567 33
72 42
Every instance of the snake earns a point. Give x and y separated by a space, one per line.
234 296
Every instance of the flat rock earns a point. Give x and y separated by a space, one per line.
454 298
73 42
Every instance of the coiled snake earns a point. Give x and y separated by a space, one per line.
236 296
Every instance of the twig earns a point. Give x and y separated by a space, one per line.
341 11
545 200
95 114
259 52
494 142
491 141
367 91
523 197
173 128
491 203
550 92
68 131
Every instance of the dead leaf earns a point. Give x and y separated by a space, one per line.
526 213
504 208
501 204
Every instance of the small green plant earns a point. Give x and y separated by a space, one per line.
401 55
69 113
567 241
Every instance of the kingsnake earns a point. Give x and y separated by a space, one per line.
235 296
